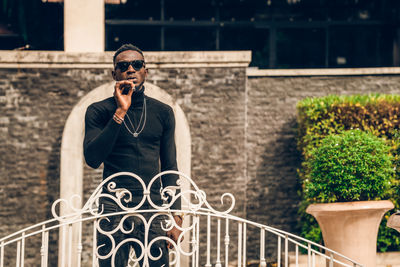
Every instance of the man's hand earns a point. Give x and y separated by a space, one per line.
123 100
174 232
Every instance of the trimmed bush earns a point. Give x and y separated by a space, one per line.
351 166
331 115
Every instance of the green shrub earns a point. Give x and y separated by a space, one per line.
351 166
319 117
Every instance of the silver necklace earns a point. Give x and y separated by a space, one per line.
136 131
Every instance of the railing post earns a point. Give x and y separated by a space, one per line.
240 245
70 245
63 241
286 251
279 251
18 261
94 246
244 243
194 242
79 246
23 249
218 262
313 259
44 248
227 240
262 248
198 240
208 264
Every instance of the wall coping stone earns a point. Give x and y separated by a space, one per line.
178 59
255 72
172 59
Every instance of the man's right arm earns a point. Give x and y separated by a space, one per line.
100 137
101 132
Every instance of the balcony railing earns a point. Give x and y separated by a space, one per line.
210 236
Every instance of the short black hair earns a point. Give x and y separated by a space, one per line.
126 47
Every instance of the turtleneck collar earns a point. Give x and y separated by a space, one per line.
137 98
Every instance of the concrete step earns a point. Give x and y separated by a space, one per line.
386 259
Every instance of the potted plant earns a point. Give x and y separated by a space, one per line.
350 174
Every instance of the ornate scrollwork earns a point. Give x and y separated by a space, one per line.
120 193
128 219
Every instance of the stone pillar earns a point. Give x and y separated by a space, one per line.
84 26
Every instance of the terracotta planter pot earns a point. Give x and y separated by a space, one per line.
351 228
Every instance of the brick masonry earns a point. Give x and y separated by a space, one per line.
242 130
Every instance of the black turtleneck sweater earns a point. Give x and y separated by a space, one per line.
146 155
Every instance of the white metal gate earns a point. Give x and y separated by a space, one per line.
211 237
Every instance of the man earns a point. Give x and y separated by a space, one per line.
134 133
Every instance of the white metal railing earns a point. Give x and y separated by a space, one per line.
211 237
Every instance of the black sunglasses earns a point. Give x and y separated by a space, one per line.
124 66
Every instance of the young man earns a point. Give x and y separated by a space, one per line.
131 132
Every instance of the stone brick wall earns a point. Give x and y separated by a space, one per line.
37 103
242 130
34 106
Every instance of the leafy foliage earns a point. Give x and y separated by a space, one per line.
332 115
351 166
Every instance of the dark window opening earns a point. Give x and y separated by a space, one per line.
300 48
280 33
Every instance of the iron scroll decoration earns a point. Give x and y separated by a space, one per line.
193 200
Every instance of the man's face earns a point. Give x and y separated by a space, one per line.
138 77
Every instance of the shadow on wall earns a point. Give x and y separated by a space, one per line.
275 187
53 193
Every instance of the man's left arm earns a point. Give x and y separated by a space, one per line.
168 162
168 155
